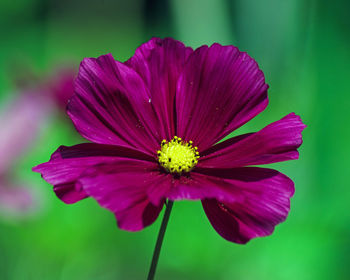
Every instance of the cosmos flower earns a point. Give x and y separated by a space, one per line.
155 122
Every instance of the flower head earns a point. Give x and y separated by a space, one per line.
155 121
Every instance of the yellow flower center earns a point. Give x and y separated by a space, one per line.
178 156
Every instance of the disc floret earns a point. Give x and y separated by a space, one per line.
178 156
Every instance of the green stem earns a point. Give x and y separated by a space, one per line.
160 238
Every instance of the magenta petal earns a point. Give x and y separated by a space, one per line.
276 142
112 106
219 90
159 62
197 186
262 202
69 193
138 216
123 189
68 163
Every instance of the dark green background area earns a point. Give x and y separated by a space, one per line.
303 49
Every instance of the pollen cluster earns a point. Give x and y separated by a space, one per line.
178 156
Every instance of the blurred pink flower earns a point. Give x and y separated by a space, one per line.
21 120
60 87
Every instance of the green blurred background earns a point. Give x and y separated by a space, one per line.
303 49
